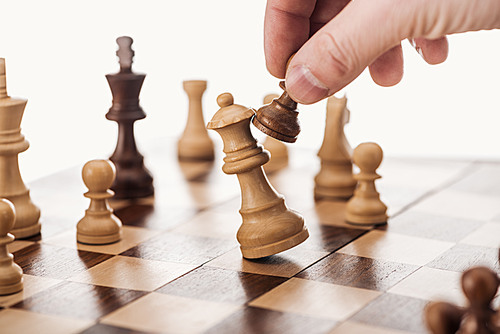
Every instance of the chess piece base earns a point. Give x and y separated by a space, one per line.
274 248
11 288
366 220
321 193
98 240
271 132
26 232
196 150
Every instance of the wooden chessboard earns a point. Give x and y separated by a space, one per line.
178 268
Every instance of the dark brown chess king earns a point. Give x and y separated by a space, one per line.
12 142
133 180
268 227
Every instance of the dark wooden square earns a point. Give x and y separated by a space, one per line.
221 285
108 329
330 238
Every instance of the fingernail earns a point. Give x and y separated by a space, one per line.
304 86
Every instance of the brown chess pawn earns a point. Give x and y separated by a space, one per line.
268 226
99 225
335 179
11 275
12 142
195 143
280 118
133 180
278 149
365 207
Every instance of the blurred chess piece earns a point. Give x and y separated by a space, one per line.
278 149
268 226
133 180
480 285
335 179
11 275
12 142
99 225
365 207
195 143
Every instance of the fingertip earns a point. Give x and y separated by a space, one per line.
433 51
387 70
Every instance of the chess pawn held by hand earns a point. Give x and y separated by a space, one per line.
268 226
12 142
133 180
11 275
335 178
365 207
278 149
99 225
195 143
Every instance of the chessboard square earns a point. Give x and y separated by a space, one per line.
18 245
396 247
285 264
398 197
358 272
212 224
352 327
14 321
31 286
463 256
460 205
331 213
485 180
163 313
487 235
131 237
394 311
432 284
330 238
83 301
258 320
107 329
215 284
56 262
425 225
315 299
132 273
175 247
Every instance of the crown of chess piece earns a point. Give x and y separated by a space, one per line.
278 150
12 142
268 226
133 180
279 119
365 207
99 225
195 143
11 275
480 285
335 179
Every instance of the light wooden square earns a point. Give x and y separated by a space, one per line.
352 327
460 205
432 284
132 273
157 312
488 235
13 321
316 299
285 264
212 224
131 236
396 247
32 285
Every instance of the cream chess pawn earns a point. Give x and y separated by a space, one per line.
335 178
278 149
11 275
195 143
365 207
268 226
12 142
99 225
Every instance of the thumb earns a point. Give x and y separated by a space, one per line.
366 29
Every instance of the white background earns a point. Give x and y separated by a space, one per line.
57 54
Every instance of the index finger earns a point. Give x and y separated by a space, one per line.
286 29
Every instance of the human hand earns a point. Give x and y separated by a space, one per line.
337 39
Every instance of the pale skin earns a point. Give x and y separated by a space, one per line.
335 40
